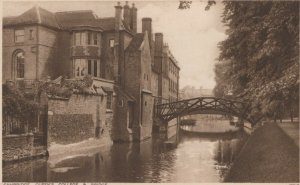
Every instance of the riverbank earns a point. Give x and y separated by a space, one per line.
291 129
269 155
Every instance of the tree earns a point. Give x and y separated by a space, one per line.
262 46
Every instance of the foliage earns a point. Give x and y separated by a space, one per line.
260 56
15 104
184 4
187 4
66 88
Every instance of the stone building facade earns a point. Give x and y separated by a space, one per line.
139 69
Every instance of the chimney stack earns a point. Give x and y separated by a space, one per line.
147 26
159 42
118 16
133 21
127 14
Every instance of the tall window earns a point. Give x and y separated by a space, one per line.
31 34
109 100
89 67
95 68
80 67
89 38
77 39
95 39
19 60
111 43
83 38
19 36
84 67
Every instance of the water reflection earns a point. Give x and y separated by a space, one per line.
197 158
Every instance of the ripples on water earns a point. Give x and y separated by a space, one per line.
196 159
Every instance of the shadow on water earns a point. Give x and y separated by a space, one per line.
197 158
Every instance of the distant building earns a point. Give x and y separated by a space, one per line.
39 44
188 92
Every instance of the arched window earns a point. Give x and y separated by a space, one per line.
19 63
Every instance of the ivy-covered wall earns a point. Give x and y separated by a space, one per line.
78 118
70 128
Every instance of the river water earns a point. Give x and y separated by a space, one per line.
197 158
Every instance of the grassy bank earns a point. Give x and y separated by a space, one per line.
292 130
268 156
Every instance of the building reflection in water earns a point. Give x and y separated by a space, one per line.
197 158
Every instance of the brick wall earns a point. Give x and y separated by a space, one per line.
10 47
147 116
120 130
70 128
107 55
62 64
40 52
84 113
16 147
154 83
47 51
146 65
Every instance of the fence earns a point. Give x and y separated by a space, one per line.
16 125
12 125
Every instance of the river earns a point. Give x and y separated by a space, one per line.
197 158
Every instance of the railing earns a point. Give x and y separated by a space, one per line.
168 111
13 125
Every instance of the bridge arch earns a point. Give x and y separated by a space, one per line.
169 111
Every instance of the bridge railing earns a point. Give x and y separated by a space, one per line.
171 110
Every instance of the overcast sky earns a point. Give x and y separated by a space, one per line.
192 34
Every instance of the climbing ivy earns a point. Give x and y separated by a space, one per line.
15 104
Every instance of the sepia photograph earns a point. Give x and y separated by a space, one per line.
171 91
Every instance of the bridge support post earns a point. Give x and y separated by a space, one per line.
178 129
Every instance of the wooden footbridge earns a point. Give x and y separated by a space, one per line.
169 111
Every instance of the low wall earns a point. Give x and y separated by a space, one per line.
70 128
76 119
17 147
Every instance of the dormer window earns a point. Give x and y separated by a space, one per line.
19 36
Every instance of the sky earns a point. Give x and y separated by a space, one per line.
192 34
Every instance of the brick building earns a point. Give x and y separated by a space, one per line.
132 68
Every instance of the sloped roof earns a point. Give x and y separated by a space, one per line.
63 20
136 42
35 15
73 19
107 24
122 93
